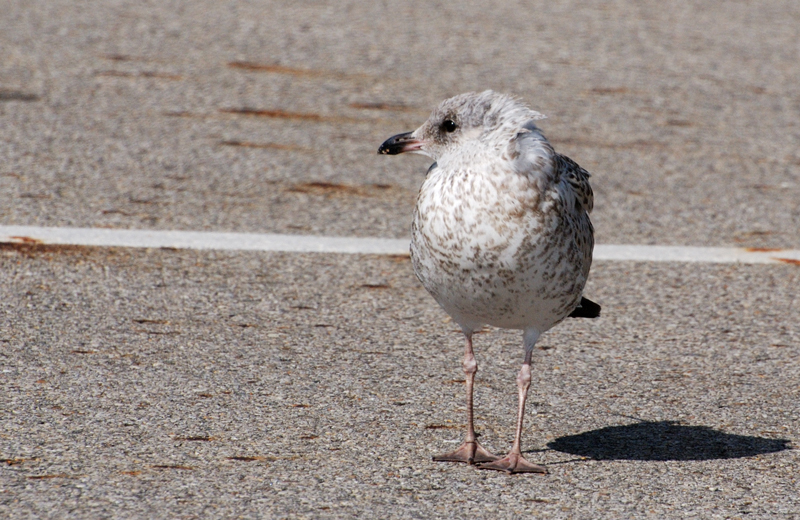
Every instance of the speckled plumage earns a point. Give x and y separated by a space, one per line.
501 232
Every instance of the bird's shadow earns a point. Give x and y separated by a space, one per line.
664 440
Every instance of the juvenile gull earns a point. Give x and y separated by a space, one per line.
500 235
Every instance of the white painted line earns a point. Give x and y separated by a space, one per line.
716 255
202 240
378 246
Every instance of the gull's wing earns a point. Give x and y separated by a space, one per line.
534 156
578 180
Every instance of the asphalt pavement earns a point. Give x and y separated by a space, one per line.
168 383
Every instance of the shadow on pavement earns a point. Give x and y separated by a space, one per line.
664 440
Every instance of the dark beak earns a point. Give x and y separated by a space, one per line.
400 143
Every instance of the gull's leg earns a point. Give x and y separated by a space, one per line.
469 451
514 462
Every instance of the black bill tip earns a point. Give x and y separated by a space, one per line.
399 143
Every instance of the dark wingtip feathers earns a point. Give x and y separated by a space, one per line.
586 309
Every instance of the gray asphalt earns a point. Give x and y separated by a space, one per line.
164 383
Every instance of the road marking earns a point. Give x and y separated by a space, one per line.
355 245
202 240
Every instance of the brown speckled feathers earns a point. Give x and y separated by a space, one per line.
500 235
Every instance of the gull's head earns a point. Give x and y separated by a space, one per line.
485 120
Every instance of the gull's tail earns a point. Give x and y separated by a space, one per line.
586 309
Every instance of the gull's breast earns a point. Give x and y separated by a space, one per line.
488 252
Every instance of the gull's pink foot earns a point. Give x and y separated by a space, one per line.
513 463
469 452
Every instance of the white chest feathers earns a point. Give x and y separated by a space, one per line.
497 247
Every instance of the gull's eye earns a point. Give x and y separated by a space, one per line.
449 126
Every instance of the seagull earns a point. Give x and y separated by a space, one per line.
500 236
